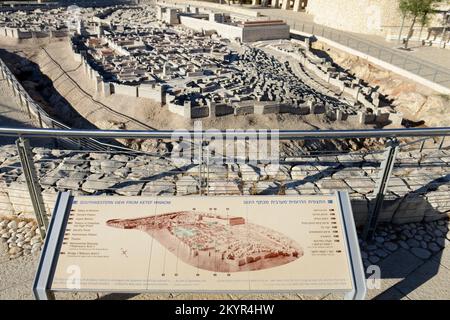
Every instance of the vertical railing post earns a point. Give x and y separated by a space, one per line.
422 145
26 159
380 190
207 170
27 105
435 75
441 144
200 162
40 119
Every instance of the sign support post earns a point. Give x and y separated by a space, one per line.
386 170
26 159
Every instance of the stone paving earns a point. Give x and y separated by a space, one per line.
22 237
411 268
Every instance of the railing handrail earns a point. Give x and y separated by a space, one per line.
239 134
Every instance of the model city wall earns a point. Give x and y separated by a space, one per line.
19 34
153 91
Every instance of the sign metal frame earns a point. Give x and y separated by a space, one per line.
50 252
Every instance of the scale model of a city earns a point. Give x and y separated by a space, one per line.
215 242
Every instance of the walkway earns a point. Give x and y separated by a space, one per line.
10 110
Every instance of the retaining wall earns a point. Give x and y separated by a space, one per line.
409 203
125 90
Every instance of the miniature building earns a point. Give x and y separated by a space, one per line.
181 57
236 221
233 245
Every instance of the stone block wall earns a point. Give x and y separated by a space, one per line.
184 111
126 90
224 109
379 17
19 34
154 92
199 112
408 199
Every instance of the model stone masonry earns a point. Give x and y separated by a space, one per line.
35 24
198 74
159 53
41 22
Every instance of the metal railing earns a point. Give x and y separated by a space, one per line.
383 170
424 69
239 134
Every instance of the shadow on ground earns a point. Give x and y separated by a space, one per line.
41 89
